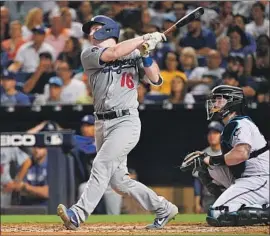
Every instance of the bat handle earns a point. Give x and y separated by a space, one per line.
172 28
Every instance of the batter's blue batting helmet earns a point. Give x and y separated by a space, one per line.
110 28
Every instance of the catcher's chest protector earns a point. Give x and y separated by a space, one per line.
226 139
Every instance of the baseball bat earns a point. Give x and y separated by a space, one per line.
195 14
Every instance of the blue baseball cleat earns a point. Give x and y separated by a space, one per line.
159 223
68 217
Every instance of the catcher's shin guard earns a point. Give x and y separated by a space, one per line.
245 216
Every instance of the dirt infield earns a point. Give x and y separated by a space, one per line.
128 229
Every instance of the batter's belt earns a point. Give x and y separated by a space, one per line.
111 114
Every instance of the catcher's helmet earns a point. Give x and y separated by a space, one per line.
223 100
110 28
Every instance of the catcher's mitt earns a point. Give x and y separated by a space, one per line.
193 161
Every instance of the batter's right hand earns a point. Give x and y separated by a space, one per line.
159 37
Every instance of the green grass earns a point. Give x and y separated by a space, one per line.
97 218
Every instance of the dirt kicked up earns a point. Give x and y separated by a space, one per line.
128 229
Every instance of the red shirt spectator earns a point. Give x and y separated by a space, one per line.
12 45
57 35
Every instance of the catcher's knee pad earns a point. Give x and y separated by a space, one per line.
220 216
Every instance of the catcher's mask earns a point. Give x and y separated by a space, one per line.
223 100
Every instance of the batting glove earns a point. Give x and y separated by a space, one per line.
148 46
159 37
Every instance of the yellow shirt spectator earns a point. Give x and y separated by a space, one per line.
169 74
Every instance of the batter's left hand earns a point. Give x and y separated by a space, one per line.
148 46
159 37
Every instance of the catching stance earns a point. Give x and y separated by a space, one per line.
114 70
245 153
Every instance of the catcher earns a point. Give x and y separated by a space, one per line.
242 168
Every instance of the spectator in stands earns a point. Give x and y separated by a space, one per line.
209 13
117 7
247 84
33 19
164 47
27 58
19 159
72 88
37 81
202 79
224 47
62 4
18 11
74 27
4 61
170 72
263 42
239 43
4 23
126 34
243 8
263 67
159 10
259 25
180 9
236 64
84 12
201 39
169 21
146 20
240 21
55 90
143 89
179 93
35 189
267 6
10 96
105 9
12 45
225 19
204 199
71 53
188 60
57 35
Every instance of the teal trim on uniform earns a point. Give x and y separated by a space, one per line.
236 119
240 118
230 140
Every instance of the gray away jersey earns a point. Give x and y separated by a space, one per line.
9 154
114 84
244 131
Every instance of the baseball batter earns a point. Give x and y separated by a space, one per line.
114 70
245 153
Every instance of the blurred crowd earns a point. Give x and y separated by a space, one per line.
41 44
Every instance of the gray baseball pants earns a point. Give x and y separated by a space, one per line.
115 139
113 201
250 191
